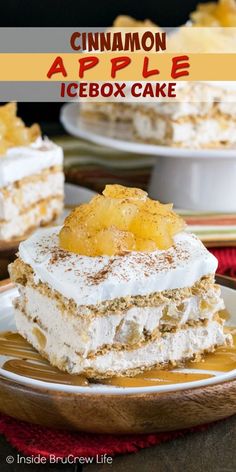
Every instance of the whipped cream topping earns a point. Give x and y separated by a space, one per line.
23 161
91 280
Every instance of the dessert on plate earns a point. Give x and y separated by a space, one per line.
31 176
120 288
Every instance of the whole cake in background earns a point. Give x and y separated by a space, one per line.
119 289
205 114
31 176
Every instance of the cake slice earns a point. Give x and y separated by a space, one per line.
31 177
103 296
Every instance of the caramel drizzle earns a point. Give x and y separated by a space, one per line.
224 314
29 363
26 361
155 377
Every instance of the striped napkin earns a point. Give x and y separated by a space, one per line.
93 166
214 229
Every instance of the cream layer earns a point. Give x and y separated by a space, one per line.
202 132
128 328
17 197
196 99
171 347
92 280
39 214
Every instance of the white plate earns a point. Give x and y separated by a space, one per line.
7 323
103 133
75 194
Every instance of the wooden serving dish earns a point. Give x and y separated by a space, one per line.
118 414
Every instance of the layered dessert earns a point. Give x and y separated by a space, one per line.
119 289
204 116
31 176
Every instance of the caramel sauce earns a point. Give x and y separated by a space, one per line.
224 314
155 377
223 360
26 361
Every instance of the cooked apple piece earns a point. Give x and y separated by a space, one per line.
115 212
4 145
112 241
74 239
145 245
119 191
34 132
154 207
222 13
150 228
120 220
13 131
18 136
8 112
156 222
83 215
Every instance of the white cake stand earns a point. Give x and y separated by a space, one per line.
194 179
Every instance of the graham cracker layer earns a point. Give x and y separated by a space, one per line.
149 337
156 119
109 112
40 214
214 113
22 274
68 363
18 184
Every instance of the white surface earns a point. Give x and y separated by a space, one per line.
135 273
7 323
75 194
23 161
196 184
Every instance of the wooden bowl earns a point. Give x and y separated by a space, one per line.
118 414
